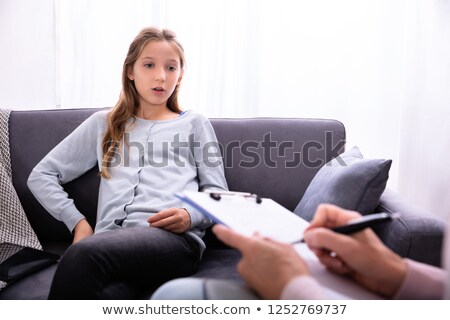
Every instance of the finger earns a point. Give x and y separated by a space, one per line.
167 222
240 267
337 267
325 239
163 223
330 216
230 237
318 251
335 264
162 215
258 236
243 269
174 227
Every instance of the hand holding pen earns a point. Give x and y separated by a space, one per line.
359 255
362 223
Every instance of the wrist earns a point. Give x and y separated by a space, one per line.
394 276
81 224
82 230
291 268
188 217
303 287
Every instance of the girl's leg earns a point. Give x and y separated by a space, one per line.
147 256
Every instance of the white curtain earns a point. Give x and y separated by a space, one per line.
27 54
382 67
424 137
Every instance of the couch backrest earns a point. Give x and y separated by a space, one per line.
277 157
273 157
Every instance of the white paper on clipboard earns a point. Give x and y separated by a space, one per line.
246 216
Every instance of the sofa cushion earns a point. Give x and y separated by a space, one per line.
348 181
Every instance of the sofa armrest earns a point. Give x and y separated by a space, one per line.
417 234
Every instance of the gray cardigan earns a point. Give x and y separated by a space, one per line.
156 159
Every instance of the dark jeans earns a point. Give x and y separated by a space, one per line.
139 256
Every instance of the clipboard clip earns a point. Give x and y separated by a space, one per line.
218 195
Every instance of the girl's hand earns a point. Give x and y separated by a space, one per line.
82 230
175 220
361 256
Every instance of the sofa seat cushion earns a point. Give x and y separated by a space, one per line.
348 181
33 287
37 285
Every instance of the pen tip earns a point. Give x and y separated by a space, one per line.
395 215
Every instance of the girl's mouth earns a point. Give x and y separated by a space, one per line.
158 89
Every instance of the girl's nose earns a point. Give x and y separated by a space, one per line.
160 76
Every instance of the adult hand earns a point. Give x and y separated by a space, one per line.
362 256
82 230
175 220
266 265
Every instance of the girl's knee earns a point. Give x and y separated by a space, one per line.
181 289
81 251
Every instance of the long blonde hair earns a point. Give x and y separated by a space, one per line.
128 102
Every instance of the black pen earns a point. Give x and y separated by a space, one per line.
359 224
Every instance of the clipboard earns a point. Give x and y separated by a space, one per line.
248 214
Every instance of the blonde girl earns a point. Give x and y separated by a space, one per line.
146 149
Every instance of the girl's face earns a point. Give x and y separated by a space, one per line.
156 73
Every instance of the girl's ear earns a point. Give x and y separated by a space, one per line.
130 73
180 77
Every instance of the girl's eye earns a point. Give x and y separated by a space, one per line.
171 68
149 65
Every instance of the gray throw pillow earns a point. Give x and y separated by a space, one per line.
348 181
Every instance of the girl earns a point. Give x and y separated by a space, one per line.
146 149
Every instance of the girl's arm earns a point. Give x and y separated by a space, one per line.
210 172
72 157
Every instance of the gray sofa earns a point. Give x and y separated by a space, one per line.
261 155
